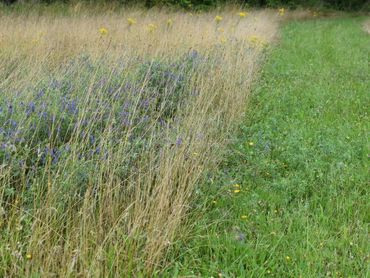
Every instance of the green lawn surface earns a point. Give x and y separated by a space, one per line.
292 197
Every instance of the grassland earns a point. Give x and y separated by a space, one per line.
292 199
109 119
113 123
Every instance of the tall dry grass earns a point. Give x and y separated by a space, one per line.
367 26
117 213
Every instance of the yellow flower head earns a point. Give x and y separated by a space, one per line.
236 190
169 22
256 41
287 258
28 256
281 11
218 19
244 217
131 21
251 144
103 31
152 27
243 14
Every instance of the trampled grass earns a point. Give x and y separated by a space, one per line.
292 200
108 121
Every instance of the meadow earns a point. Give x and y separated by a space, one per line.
171 143
109 120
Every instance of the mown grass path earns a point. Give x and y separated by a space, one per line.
292 199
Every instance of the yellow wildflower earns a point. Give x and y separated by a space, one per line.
244 217
152 27
218 19
256 41
236 190
243 14
103 31
281 11
251 144
237 185
28 256
131 21
221 30
287 258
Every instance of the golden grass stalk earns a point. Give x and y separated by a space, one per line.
367 26
124 225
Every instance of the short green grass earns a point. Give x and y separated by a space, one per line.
301 163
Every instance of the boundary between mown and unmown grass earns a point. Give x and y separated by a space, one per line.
291 199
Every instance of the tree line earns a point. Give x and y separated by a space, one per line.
199 4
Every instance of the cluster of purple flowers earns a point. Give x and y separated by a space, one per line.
75 112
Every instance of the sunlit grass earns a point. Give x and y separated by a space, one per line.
109 120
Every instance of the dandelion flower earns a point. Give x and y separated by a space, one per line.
223 40
236 190
131 21
256 41
243 14
103 31
237 185
287 258
218 19
28 256
281 11
152 27
244 217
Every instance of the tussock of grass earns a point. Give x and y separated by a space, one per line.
107 126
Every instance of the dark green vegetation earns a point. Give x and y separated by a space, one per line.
300 162
201 4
